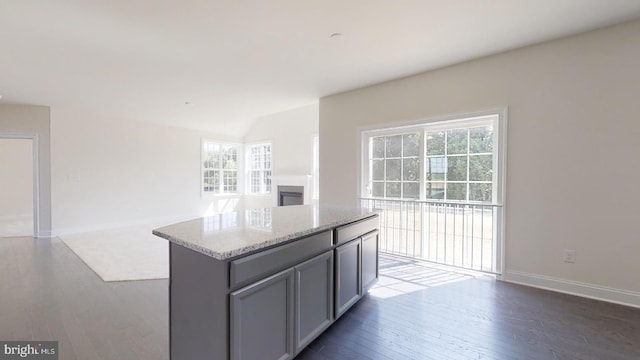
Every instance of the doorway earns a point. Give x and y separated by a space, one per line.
17 187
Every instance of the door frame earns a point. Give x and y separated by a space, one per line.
36 177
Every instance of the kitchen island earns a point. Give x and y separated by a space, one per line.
264 283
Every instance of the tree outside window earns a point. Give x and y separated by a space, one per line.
395 166
220 168
448 164
259 172
459 164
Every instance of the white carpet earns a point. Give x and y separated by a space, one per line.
122 254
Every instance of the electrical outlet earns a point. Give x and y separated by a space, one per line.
569 256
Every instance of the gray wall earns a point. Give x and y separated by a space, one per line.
33 120
573 145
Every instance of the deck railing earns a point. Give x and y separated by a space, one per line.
451 233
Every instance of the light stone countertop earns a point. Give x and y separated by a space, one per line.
229 235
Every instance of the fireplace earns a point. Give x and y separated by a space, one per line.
290 195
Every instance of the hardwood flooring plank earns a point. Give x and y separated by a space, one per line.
420 312
485 319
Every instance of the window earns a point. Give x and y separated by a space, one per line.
441 188
259 172
395 166
219 168
459 164
448 161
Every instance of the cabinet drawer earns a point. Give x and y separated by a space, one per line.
349 232
257 266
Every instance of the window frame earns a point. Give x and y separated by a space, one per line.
401 181
496 117
262 170
238 170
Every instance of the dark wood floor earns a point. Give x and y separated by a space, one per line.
416 312
48 293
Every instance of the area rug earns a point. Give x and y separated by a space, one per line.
122 254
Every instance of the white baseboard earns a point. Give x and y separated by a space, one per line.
99 227
44 235
597 292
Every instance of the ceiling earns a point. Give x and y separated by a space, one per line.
236 60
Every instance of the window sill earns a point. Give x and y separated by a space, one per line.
259 195
218 196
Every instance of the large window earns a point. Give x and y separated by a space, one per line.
219 168
259 168
440 185
448 161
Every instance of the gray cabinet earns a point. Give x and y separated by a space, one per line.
348 281
262 319
369 260
249 269
313 298
271 303
354 230
297 305
356 270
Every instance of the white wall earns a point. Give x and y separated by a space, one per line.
573 146
30 120
111 172
291 134
16 187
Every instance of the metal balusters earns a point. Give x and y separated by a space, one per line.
438 231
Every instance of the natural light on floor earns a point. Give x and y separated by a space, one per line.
401 275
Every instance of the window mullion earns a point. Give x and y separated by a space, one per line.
446 164
468 187
221 176
401 167
422 165
384 162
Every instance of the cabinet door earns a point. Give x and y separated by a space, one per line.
348 281
369 261
314 298
261 319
